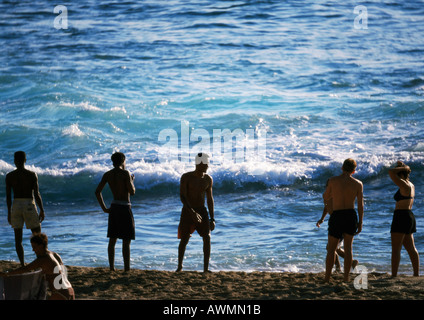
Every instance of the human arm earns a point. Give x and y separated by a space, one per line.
360 199
327 196
130 184
8 198
328 202
210 202
36 264
98 193
37 197
183 191
324 213
394 175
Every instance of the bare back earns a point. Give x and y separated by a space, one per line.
120 184
344 190
22 182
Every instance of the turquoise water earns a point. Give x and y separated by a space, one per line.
309 82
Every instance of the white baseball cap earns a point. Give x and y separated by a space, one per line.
202 158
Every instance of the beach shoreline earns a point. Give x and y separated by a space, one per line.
99 283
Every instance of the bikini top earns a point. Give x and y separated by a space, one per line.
398 196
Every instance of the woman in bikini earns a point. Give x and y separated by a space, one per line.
403 224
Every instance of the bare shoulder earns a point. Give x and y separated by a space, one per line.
331 180
32 174
358 182
126 173
107 174
19 174
209 178
187 175
10 175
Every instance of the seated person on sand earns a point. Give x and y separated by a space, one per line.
52 266
194 187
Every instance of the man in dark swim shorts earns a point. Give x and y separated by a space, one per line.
194 187
188 225
121 221
343 221
343 190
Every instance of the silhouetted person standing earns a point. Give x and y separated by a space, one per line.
194 187
344 222
121 221
403 224
23 184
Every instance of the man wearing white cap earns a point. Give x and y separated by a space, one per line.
194 187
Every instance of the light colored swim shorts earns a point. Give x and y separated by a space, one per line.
24 210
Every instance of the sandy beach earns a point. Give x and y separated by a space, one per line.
100 284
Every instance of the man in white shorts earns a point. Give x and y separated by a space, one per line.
24 185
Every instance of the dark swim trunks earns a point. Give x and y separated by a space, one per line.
121 222
403 222
342 221
187 225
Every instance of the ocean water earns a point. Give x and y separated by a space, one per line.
278 92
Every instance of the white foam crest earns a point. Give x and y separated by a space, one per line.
282 172
86 106
73 131
148 174
68 171
5 167
82 105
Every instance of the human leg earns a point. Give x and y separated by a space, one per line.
18 245
337 261
111 253
330 258
397 241
408 243
181 250
206 252
339 253
348 241
126 253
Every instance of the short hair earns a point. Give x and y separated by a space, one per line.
117 158
349 165
20 156
40 238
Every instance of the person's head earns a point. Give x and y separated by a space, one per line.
19 158
202 161
118 158
39 243
349 166
403 174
